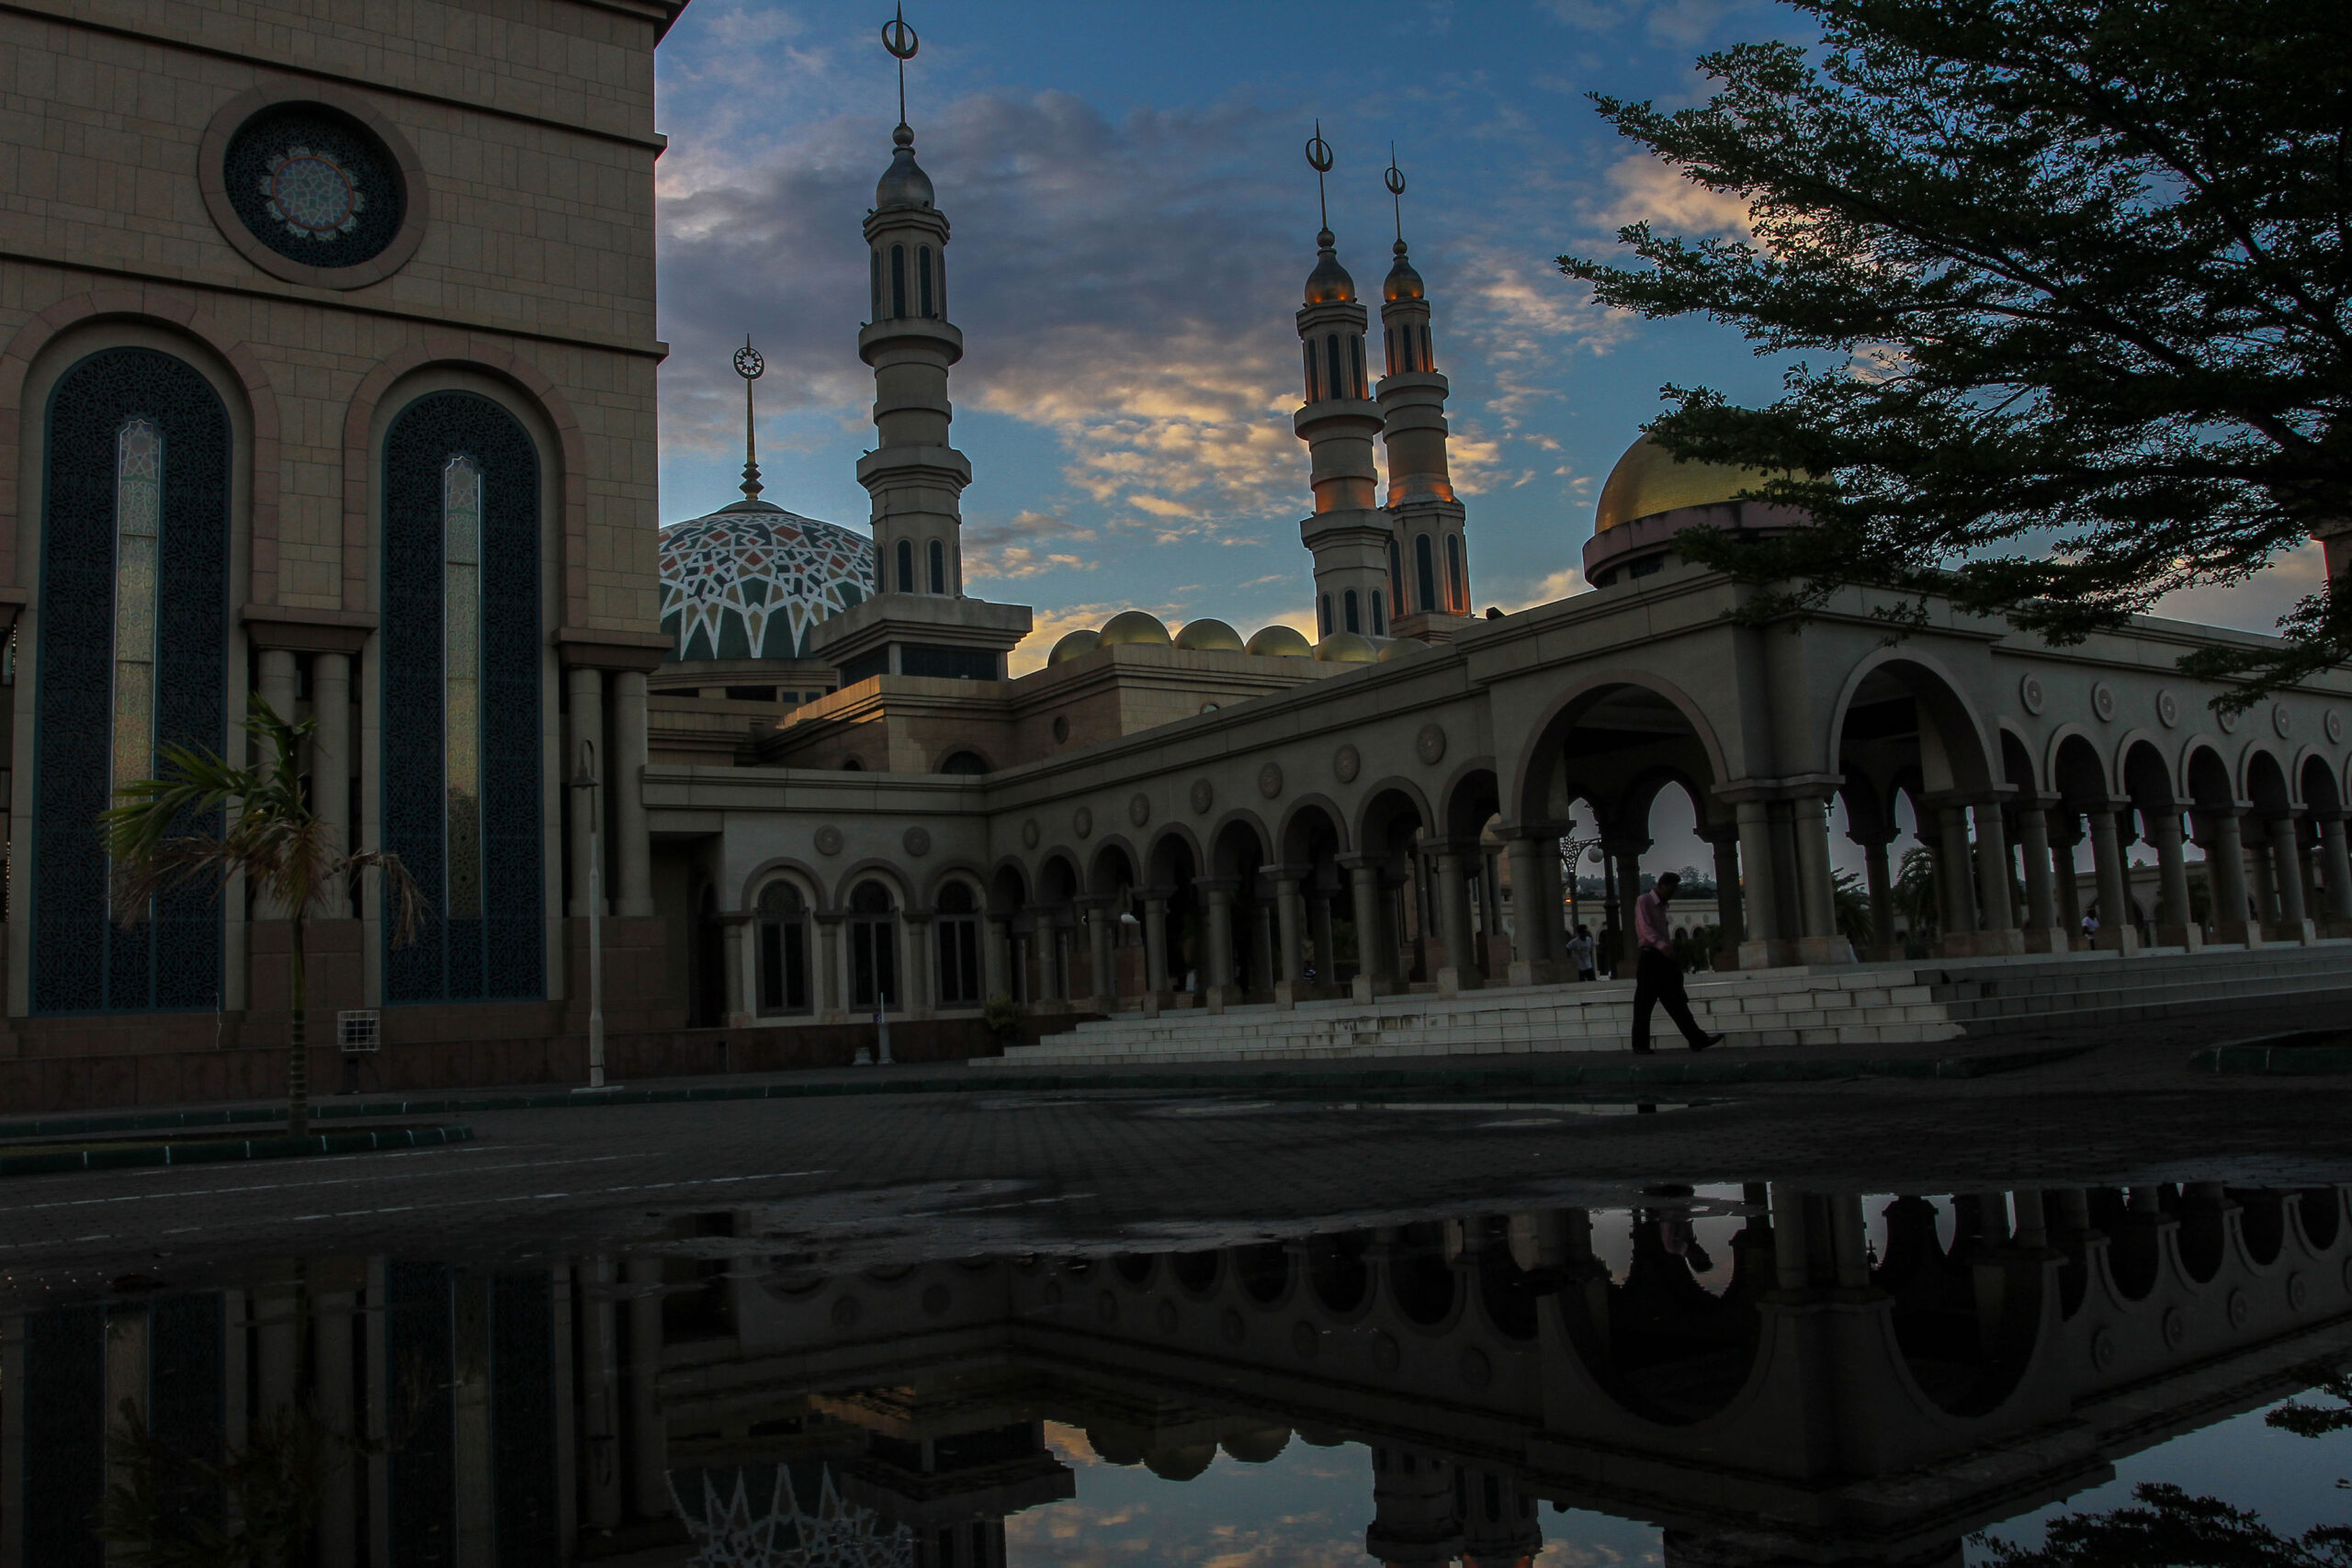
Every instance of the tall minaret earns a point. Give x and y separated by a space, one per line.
1349 534
1430 586
919 623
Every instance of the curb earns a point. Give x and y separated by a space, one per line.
2275 1061
1617 1072
37 1162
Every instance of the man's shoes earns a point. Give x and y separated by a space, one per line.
1710 1040
1643 1050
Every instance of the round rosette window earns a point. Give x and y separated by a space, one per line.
314 186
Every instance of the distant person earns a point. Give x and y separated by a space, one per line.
2090 926
1657 977
1580 952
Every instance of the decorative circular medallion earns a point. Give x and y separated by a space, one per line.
1139 808
1031 833
1204 796
828 840
2298 1293
1061 727
1475 1369
1165 1316
1230 1328
1082 821
2239 1309
936 1300
1305 1340
314 186
2175 1328
916 842
2168 710
1106 1308
1270 780
1430 745
1053 1292
2103 702
2228 719
1384 1351
2029 693
2102 1349
846 1312
2334 725
2282 720
1346 763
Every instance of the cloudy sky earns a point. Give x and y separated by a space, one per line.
1132 221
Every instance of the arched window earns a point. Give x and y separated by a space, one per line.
1424 572
872 947
877 259
1428 359
852 765
133 655
959 946
1457 594
964 763
460 698
1355 358
1396 575
922 272
1388 336
938 567
1379 615
1323 614
898 280
1347 602
1336 383
1309 350
784 949
905 557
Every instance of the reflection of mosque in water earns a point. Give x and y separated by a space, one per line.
1768 1376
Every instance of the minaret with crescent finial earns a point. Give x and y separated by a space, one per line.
1348 534
1431 584
919 623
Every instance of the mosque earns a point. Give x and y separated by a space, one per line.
349 406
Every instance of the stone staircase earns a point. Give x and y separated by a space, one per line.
1870 1004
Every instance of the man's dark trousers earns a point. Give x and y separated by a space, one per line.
1658 979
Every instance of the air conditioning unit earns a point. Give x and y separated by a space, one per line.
359 1029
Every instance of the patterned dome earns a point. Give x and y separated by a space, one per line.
748 582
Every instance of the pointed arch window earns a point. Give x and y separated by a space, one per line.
923 276
938 567
1379 615
1355 358
1354 615
1428 359
897 281
906 560
1396 575
877 309
1457 594
1425 573
1334 381
1323 614
1388 337
1310 347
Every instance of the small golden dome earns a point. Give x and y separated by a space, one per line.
1280 642
1129 629
1648 480
1072 644
1347 648
1402 648
1328 283
1209 635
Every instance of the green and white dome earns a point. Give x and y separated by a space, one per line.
749 581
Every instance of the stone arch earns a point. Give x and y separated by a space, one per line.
1382 809
1301 820
1162 863
2265 781
958 869
800 872
2142 749
1469 798
2206 774
2078 773
2317 777
1057 880
2018 769
1007 888
1112 856
873 869
1238 830
1540 761
1961 755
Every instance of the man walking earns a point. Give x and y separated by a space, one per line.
1657 977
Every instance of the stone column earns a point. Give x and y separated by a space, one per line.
2116 932
1460 972
735 939
1759 899
586 722
1791 1249
331 766
1880 886
279 680
1103 975
1217 966
2233 921
649 1434
829 967
1155 944
1724 841
2336 866
1817 892
2175 924
1318 926
1994 889
916 964
1490 902
600 1393
631 838
2043 933
2287 872
2061 864
1290 909
1958 884
336 1399
1529 957
995 961
1373 959
1627 855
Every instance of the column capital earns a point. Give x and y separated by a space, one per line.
1795 786
1155 894
1216 885
1362 861
1283 871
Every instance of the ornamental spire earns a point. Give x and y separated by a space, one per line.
750 365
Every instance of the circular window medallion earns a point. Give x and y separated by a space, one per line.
1475 1369
1031 833
2029 693
1082 821
2103 702
1166 1316
2175 1328
312 186
1061 727
1203 795
828 840
1346 763
2239 1309
2298 1293
2281 720
2228 719
1270 780
2102 1349
1385 1353
936 1300
916 842
2334 725
1430 745
1139 808
1230 1328
2167 710
1106 1308
1305 1340
846 1312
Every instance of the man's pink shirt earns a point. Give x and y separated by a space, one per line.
1650 922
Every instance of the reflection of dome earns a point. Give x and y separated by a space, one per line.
748 582
1209 635
1402 648
1280 642
1648 481
1181 1461
1073 644
1347 648
1261 1446
1129 628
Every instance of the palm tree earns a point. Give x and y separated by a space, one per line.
284 850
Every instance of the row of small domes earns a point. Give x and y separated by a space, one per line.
1132 627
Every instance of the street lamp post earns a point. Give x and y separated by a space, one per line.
592 802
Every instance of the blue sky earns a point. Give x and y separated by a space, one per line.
1132 221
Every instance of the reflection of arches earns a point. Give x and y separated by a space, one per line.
1967 1328
1336 1270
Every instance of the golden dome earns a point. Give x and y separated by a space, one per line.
1648 480
1131 628
1072 644
1402 648
1347 648
1280 642
1209 635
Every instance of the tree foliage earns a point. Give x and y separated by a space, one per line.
2167 1527
2080 272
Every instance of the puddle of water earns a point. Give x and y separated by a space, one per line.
1721 1374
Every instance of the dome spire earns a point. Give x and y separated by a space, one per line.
750 365
1329 281
902 41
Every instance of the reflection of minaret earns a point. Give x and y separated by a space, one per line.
919 623
1348 534
1498 1525
1429 563
1413 1502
